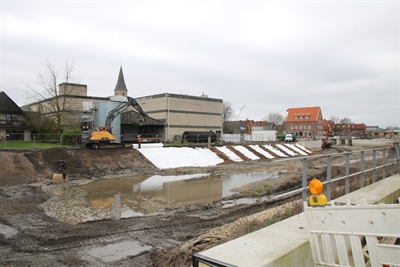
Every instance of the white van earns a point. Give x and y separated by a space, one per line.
288 138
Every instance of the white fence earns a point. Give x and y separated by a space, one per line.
350 235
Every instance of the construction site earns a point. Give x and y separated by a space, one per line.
46 223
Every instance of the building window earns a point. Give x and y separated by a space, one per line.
12 119
291 127
301 117
307 117
295 117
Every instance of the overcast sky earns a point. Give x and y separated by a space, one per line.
261 56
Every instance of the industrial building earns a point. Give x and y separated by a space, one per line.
170 115
183 113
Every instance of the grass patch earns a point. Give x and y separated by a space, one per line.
290 210
259 191
27 145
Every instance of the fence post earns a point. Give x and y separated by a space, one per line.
383 163
347 173
304 192
391 160
60 139
362 170
373 166
34 140
328 176
396 147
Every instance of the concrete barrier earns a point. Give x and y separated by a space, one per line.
372 142
286 243
311 144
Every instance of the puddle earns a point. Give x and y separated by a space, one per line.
115 198
7 231
114 252
240 201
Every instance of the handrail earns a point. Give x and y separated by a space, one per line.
393 158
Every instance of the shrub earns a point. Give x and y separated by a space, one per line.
72 137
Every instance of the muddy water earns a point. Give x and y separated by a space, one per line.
114 252
115 198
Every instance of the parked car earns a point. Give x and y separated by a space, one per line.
289 138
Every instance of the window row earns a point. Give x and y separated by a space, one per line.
301 117
295 127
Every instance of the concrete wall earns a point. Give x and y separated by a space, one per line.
286 243
311 144
316 145
261 136
372 142
73 89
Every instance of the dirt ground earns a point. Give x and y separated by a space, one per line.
29 237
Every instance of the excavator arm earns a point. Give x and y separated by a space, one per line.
120 108
103 137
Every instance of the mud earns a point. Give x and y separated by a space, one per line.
29 237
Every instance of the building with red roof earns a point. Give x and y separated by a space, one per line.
305 121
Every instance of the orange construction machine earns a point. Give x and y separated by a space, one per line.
326 143
249 125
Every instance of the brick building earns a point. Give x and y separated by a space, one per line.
305 121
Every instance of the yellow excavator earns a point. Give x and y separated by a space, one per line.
102 137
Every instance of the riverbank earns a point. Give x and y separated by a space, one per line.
29 237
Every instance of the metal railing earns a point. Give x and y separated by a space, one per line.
379 164
20 140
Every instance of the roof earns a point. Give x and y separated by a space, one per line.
121 86
170 95
305 114
7 105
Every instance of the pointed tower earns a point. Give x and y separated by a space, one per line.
120 88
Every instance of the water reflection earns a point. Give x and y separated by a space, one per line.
117 251
115 198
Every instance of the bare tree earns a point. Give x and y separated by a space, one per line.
335 119
346 120
51 100
275 118
227 114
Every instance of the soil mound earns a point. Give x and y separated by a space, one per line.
23 167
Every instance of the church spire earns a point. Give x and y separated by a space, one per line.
120 88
